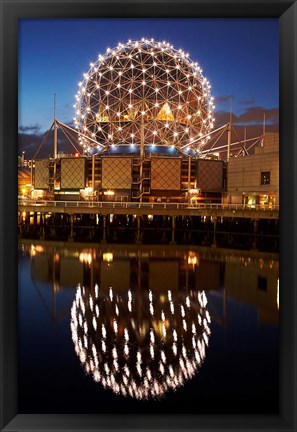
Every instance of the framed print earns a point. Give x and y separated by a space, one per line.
148 194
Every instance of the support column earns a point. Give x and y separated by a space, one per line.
173 230
42 226
255 232
71 237
214 242
164 226
93 177
138 234
104 230
189 175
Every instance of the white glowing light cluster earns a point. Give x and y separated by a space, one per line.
140 356
144 91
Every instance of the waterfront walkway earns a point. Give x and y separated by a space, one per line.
144 208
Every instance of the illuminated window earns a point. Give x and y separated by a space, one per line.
265 177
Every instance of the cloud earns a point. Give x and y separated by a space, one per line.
222 99
247 102
255 115
31 129
30 143
250 116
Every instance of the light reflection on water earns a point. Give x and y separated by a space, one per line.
145 321
136 344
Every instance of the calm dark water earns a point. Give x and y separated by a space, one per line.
126 329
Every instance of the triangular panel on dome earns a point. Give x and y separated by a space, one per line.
102 116
165 113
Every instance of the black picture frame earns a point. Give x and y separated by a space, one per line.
11 11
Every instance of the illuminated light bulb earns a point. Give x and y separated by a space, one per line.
151 309
143 83
156 104
107 107
132 135
180 92
179 107
130 105
156 90
175 134
166 125
187 130
155 132
120 73
142 112
119 85
132 66
152 352
143 70
115 326
118 114
130 91
119 128
167 70
168 83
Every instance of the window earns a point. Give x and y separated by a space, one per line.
265 177
262 283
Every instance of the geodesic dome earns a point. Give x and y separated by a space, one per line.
144 93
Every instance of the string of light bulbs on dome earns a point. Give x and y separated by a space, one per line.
144 93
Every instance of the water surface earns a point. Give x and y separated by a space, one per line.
147 329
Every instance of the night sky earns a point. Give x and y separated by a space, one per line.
238 56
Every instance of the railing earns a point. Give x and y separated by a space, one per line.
168 206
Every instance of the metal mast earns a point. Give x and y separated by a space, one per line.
55 142
229 130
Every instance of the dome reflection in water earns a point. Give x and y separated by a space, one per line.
140 344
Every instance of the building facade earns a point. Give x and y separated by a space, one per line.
254 180
126 178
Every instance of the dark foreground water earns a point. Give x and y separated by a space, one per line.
143 329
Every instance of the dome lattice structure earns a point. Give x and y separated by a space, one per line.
144 93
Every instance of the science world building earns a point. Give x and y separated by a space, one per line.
143 117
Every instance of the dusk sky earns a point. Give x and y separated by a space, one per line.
238 56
